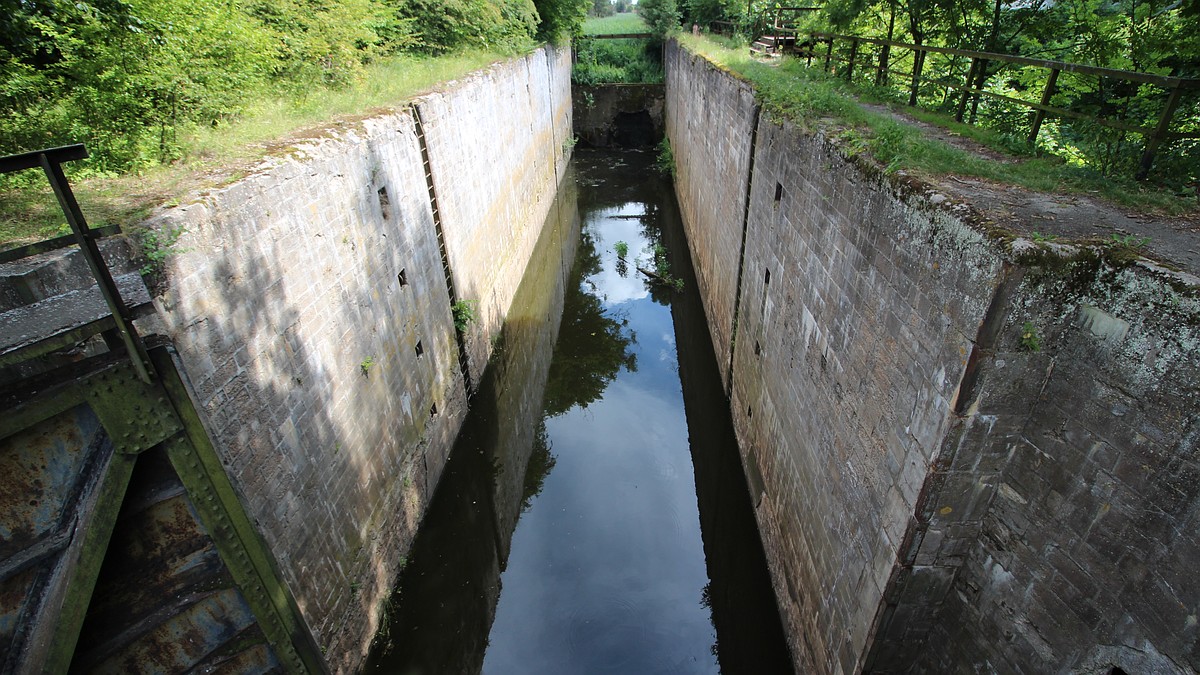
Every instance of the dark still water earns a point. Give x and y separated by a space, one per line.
593 517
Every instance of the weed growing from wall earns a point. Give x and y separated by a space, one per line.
665 162
464 314
1030 341
157 245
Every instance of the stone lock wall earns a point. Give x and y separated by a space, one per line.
711 120
312 312
856 319
498 149
966 453
1069 504
618 115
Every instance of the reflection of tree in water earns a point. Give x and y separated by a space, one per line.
592 345
651 221
706 603
541 463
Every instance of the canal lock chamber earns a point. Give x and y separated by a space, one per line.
593 516
919 500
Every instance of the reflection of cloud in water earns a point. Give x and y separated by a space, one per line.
668 353
607 229
620 507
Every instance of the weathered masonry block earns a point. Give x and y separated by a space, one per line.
966 453
311 308
1068 496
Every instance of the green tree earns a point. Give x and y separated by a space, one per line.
561 19
704 12
661 15
122 76
445 25
1160 36
601 8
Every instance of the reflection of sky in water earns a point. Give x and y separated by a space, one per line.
612 287
607 568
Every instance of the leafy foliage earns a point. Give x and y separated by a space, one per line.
158 245
665 160
705 12
616 61
445 25
208 154
561 19
129 77
1155 36
662 269
810 98
662 16
464 314
601 8
1030 341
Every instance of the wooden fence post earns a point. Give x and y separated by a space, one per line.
980 78
966 92
918 64
853 55
1160 132
881 74
1040 115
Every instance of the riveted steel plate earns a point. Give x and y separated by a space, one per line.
136 415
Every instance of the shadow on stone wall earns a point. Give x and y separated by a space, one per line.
317 336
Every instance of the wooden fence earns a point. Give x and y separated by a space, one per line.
967 73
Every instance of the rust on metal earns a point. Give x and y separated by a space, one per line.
100 526
164 600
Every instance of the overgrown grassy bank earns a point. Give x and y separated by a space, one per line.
613 61
815 100
627 22
616 61
211 156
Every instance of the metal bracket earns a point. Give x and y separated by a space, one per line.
136 415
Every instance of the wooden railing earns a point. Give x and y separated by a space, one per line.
855 54
780 25
616 36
